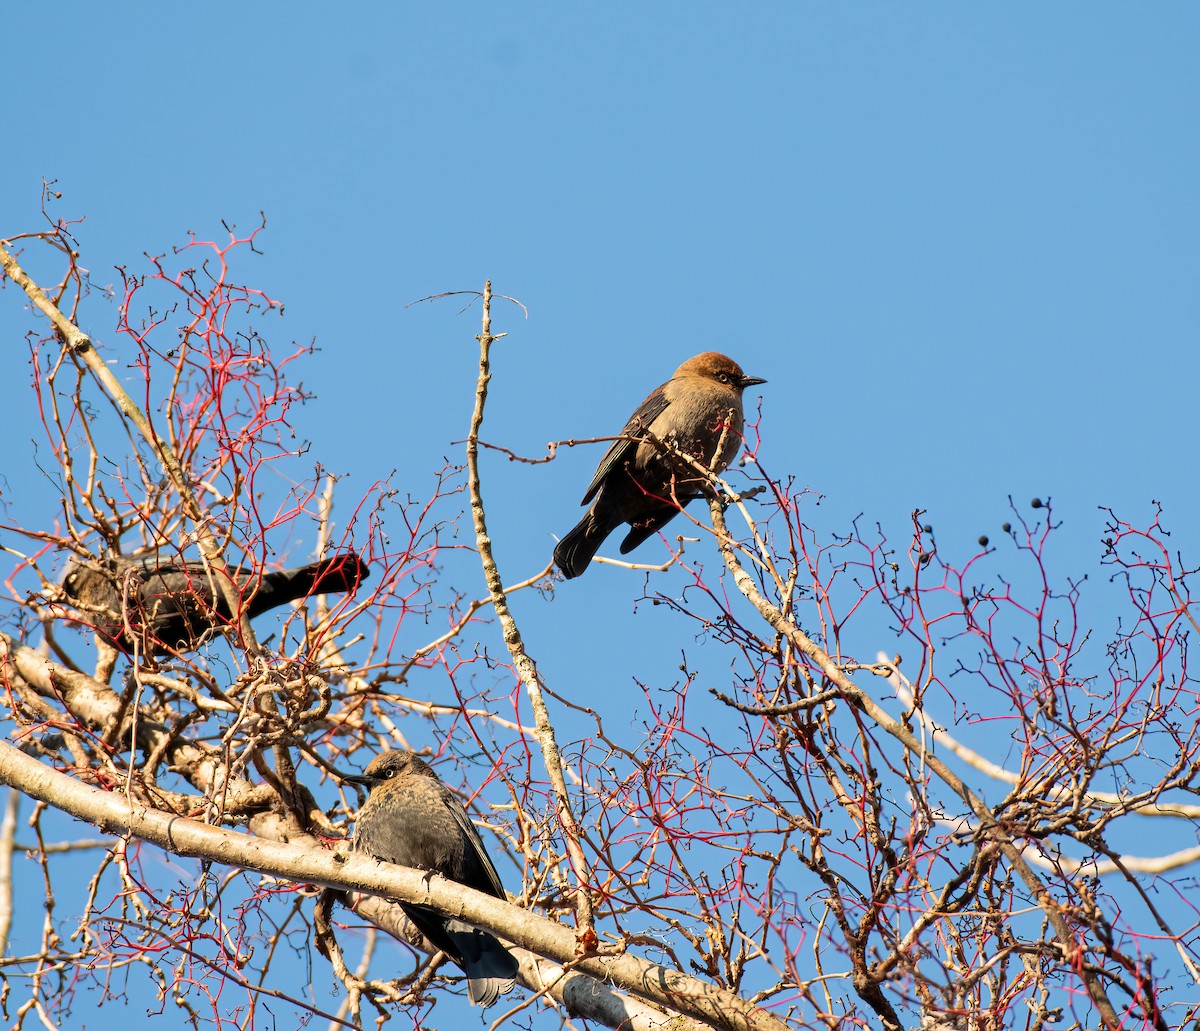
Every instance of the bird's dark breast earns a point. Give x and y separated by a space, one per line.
697 431
411 829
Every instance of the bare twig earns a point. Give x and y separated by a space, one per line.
522 662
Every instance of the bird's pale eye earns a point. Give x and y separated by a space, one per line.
723 377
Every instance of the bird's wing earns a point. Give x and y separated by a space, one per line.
432 925
648 526
475 846
154 562
623 449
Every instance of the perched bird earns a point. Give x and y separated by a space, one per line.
175 605
640 484
412 819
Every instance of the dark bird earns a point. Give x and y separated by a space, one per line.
175 605
640 484
412 819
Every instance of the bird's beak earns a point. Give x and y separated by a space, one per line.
750 381
356 779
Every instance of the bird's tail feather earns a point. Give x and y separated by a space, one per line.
576 549
490 968
333 575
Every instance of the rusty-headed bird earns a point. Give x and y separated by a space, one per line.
697 409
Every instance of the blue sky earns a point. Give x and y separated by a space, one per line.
960 241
